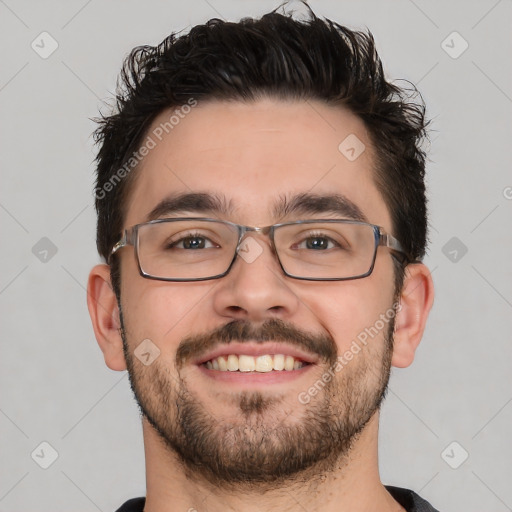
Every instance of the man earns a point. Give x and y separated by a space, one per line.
261 209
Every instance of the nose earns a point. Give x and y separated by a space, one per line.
256 288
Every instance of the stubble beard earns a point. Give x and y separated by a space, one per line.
257 451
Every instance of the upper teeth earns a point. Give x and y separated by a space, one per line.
244 363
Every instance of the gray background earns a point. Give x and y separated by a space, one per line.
54 384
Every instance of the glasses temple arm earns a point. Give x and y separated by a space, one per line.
124 240
390 241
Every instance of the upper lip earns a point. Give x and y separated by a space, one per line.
253 348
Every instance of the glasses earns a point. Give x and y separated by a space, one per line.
199 249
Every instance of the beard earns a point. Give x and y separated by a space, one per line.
271 439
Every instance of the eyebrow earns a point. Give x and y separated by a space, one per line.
195 202
285 206
307 203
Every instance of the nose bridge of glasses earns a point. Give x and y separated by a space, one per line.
263 231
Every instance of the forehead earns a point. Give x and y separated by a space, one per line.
257 158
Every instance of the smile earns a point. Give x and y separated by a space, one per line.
247 363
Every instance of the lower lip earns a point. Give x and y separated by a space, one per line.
258 378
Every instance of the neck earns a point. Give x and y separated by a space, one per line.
354 485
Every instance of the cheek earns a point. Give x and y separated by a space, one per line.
160 311
350 309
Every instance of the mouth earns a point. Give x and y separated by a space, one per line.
256 362
261 364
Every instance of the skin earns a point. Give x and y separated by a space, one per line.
252 153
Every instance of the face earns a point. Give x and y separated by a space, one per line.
255 426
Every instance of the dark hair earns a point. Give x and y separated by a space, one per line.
274 56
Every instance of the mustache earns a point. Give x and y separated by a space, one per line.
242 330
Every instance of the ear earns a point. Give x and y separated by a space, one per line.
416 300
104 312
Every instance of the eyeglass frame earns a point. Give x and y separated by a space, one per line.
381 238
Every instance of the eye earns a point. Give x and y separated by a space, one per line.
317 242
191 241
